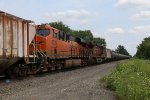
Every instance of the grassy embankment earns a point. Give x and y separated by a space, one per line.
131 80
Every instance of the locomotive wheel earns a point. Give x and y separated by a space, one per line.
59 67
22 72
53 68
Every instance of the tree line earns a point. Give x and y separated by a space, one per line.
143 49
121 49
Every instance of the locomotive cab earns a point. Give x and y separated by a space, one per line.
42 33
52 42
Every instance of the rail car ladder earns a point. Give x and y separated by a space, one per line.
32 58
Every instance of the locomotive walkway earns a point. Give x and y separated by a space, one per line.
77 84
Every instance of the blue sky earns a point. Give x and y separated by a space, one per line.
120 22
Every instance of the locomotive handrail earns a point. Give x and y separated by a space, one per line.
42 54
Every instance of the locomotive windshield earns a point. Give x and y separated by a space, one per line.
43 32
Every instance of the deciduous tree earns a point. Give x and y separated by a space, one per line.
121 49
143 49
61 26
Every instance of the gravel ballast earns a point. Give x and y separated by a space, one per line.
73 84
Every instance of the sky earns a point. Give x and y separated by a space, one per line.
120 22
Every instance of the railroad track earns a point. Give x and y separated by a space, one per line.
65 84
3 78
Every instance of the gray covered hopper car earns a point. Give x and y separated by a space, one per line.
15 36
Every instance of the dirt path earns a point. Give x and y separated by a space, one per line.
77 84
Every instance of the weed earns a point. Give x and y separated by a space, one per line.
131 80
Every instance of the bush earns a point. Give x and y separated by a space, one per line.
131 80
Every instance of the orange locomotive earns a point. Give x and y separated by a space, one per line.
99 53
56 49
53 42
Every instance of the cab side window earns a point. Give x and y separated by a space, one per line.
54 34
61 35
58 35
67 39
64 35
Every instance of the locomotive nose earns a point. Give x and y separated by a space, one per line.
41 42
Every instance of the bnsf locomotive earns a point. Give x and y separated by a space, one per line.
28 49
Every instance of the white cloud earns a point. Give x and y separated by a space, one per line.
138 3
141 29
141 15
72 16
115 30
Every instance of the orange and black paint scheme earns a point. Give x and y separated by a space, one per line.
58 48
53 42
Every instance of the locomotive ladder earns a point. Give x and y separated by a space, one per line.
43 55
37 54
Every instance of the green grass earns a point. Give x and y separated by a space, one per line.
131 80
